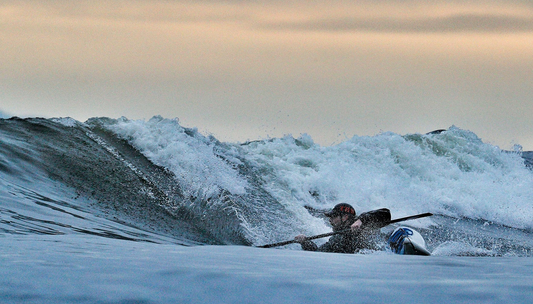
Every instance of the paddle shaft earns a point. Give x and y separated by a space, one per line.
412 217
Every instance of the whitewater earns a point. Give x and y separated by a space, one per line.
135 211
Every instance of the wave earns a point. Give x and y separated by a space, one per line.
158 181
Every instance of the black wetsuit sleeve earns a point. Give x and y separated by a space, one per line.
375 219
309 246
333 245
336 243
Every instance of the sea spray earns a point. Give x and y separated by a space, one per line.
189 155
452 173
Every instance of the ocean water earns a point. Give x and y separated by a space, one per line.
125 211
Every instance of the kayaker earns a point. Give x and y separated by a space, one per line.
363 230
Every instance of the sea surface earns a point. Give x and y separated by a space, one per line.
135 211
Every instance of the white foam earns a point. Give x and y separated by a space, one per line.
461 249
190 156
453 173
66 121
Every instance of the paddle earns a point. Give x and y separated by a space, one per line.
412 217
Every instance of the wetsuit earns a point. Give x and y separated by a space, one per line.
364 238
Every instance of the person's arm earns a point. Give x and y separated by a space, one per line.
307 245
374 219
334 244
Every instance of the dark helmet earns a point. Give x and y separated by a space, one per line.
341 209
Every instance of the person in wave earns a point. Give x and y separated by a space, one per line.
362 231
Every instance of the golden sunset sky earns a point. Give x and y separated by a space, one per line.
246 70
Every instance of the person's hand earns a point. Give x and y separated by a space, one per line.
300 238
356 226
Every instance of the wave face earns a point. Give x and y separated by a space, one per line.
157 181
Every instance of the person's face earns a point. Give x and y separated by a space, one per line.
338 220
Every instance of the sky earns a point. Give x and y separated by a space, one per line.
247 70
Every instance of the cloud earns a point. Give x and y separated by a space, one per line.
110 13
338 16
445 24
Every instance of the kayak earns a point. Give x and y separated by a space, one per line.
407 241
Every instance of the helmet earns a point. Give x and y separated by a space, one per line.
341 209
